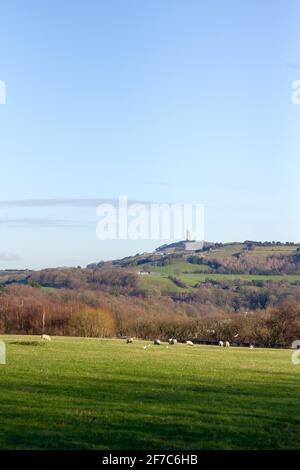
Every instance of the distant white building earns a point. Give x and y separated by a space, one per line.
192 245
185 245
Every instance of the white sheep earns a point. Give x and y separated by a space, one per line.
172 341
156 342
251 346
46 338
227 344
129 340
221 344
189 343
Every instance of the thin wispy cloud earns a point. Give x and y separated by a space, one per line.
44 222
54 202
9 257
58 212
84 202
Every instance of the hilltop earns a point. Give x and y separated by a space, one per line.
173 268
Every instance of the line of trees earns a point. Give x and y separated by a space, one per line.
29 310
244 263
91 313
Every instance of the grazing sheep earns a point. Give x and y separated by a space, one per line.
129 340
46 338
156 342
221 344
172 341
227 344
189 343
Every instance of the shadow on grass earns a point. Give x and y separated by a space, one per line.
27 343
88 413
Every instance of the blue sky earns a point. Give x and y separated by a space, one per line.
168 101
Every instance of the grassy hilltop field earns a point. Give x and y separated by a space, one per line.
253 267
75 393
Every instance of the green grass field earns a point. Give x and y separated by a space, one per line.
225 251
192 278
180 266
162 283
232 248
77 393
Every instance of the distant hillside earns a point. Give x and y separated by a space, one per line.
11 276
174 269
249 287
183 270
